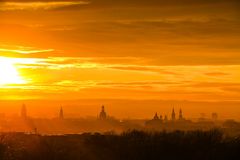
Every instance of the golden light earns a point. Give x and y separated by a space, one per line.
9 73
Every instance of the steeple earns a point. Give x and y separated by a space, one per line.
155 117
173 115
24 111
103 114
180 114
61 114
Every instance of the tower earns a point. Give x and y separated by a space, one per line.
173 115
160 117
165 118
180 114
61 114
24 111
103 114
155 117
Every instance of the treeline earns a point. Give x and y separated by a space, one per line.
132 145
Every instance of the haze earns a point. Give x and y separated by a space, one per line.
136 57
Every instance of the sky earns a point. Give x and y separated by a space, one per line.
173 50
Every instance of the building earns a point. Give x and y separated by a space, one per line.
173 115
61 116
155 117
180 115
161 118
214 116
24 111
103 114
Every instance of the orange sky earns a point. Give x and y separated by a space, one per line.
128 49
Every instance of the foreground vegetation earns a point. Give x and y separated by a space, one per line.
132 145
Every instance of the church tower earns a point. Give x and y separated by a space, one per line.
180 114
103 114
155 117
24 111
173 115
61 114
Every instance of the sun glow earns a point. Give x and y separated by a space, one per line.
9 73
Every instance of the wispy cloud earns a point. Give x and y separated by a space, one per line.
216 74
11 6
5 49
23 51
88 75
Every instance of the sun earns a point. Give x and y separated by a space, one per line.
9 73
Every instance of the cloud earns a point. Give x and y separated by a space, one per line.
5 49
88 75
235 89
188 32
168 42
216 74
138 68
215 84
135 3
23 51
49 5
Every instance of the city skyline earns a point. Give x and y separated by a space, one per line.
176 113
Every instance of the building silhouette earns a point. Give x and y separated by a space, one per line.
180 114
61 116
214 116
173 115
161 118
24 111
165 118
155 116
103 114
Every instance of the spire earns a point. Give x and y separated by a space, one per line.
24 111
155 116
61 114
173 114
103 114
103 109
180 114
